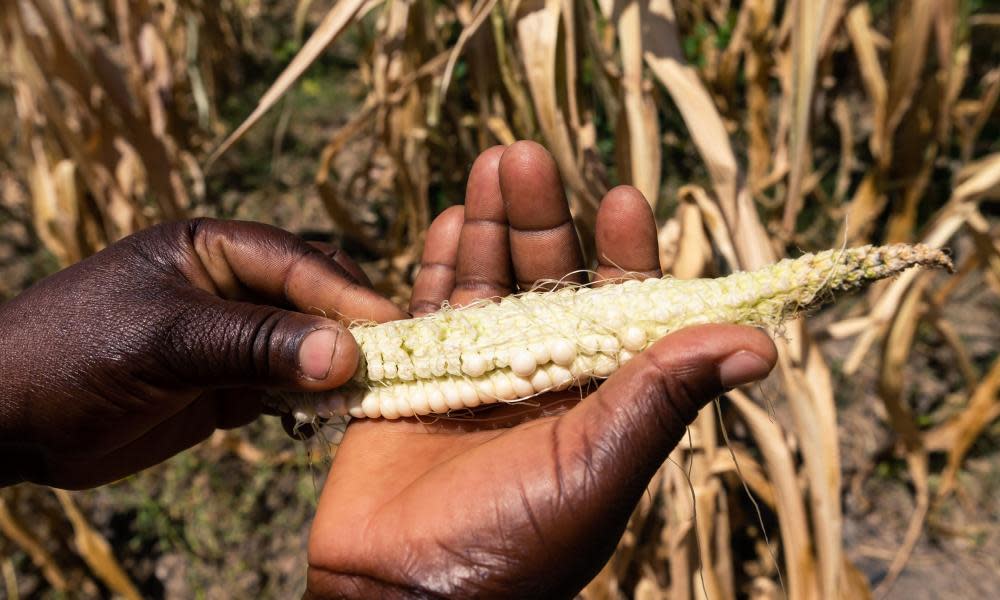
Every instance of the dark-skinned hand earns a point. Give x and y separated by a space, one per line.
510 507
147 347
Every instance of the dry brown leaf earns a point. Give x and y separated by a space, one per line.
895 355
969 424
913 20
800 564
859 29
757 67
332 25
737 461
96 551
661 49
538 36
694 251
22 537
863 209
845 126
809 390
714 222
982 112
643 141
810 19
481 13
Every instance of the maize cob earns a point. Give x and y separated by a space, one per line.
537 342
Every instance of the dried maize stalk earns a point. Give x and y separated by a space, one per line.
538 342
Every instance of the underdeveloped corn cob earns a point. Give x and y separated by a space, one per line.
537 342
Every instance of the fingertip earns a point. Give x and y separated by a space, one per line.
441 243
742 367
715 357
483 200
624 202
488 160
447 225
531 188
625 234
717 340
436 278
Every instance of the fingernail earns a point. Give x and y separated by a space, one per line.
742 367
316 353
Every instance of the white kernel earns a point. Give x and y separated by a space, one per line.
435 399
540 351
389 407
375 371
501 358
438 367
522 386
473 364
485 389
614 318
633 338
357 412
418 400
453 365
451 396
561 377
582 367
609 344
624 356
422 368
503 389
403 404
390 370
604 365
353 402
405 371
663 313
523 363
370 405
540 380
590 343
468 393
562 352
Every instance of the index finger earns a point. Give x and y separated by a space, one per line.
234 258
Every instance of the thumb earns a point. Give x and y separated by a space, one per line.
220 343
638 416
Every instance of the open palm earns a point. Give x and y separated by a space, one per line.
522 501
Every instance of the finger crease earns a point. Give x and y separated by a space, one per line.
482 283
425 306
485 222
437 265
568 223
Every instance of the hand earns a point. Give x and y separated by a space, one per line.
518 508
144 349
